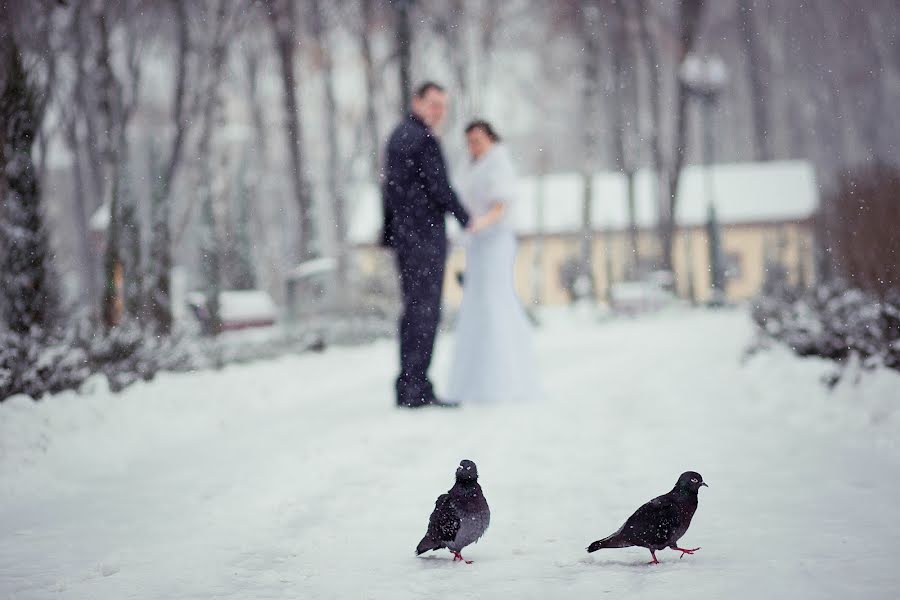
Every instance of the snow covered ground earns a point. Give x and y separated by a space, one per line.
295 478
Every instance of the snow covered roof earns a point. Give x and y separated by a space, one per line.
743 193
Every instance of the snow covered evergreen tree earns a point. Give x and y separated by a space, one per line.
35 357
27 282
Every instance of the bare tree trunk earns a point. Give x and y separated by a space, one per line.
488 21
835 90
160 301
252 59
179 120
671 178
787 142
404 50
371 87
835 151
82 97
882 127
110 111
114 112
614 25
283 22
460 54
648 34
625 98
588 19
210 244
537 265
690 13
46 94
70 119
270 250
82 211
335 190
454 31
133 286
759 96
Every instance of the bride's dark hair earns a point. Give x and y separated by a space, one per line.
486 127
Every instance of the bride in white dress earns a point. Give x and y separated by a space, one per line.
494 358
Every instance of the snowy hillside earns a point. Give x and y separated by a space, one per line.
296 478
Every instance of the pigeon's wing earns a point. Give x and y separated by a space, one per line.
653 524
444 522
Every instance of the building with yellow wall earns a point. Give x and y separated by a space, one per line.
765 213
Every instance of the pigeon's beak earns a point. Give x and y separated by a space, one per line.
703 484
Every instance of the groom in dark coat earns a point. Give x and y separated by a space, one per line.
416 197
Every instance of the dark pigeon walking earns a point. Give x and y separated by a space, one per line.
460 517
661 522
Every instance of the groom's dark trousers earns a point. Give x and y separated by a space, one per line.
416 195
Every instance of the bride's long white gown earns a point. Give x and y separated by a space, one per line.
494 359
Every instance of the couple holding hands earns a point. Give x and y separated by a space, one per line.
494 358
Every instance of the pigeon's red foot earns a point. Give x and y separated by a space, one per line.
654 561
684 550
457 556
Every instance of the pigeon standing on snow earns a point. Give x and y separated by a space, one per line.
661 522
460 516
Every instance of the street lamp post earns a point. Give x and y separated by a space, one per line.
704 78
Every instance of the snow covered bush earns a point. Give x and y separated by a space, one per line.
128 353
857 315
36 364
834 321
39 363
42 364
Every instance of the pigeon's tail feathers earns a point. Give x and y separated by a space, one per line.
428 544
613 541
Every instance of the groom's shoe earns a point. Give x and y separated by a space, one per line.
442 403
429 402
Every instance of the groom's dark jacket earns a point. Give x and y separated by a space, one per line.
416 193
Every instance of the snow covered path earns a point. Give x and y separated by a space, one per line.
296 478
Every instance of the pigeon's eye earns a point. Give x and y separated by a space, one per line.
694 480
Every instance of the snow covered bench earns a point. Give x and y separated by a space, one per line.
238 309
649 294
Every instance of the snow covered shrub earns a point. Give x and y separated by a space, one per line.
36 364
856 316
119 355
7 364
128 353
39 363
34 357
834 321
